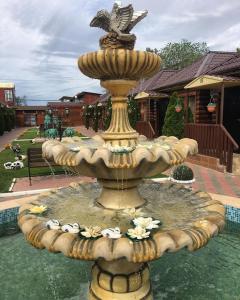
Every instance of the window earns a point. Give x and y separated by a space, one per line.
8 95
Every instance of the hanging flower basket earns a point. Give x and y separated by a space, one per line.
178 108
211 107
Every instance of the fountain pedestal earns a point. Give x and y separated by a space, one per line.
120 280
124 192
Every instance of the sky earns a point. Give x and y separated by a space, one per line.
41 40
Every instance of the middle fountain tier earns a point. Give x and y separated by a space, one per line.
121 158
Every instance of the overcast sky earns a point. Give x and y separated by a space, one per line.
40 40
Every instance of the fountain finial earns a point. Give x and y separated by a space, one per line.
118 24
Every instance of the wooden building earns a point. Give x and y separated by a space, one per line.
217 73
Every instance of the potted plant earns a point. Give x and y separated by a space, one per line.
184 175
212 103
211 106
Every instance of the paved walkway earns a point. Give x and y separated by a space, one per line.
8 137
45 182
215 182
87 132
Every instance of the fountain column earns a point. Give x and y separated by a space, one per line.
120 132
120 280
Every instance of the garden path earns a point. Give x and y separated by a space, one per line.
8 137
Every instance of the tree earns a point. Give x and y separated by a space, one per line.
174 121
7 120
133 112
2 126
19 101
179 55
108 114
238 50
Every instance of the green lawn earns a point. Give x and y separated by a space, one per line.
6 176
30 133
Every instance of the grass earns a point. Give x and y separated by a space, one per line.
6 176
29 134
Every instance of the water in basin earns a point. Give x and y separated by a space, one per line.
211 273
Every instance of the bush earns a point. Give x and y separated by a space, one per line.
51 133
174 121
69 132
2 126
133 112
183 173
7 121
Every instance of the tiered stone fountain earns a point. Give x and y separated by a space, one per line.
119 159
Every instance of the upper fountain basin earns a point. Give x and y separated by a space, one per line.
119 64
96 159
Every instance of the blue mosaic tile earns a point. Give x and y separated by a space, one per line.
8 215
232 214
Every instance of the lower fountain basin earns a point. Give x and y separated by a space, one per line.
189 219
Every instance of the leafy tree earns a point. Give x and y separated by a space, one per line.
7 120
108 114
133 112
19 101
174 121
238 50
179 55
2 126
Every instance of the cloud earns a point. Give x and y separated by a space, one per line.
41 40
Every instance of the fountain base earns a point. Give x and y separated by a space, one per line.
124 193
120 280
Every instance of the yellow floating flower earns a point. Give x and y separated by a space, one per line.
38 209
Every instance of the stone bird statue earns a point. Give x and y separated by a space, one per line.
120 21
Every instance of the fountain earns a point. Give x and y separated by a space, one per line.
123 221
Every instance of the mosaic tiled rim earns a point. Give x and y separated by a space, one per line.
192 237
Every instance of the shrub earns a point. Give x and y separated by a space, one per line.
69 132
2 126
182 172
174 121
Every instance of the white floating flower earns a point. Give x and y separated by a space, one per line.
138 233
53 224
133 212
112 233
92 232
147 223
71 228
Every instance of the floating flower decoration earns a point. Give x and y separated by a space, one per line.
138 233
38 209
146 223
71 228
53 224
133 212
92 232
112 233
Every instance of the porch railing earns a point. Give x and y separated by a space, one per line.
145 128
213 140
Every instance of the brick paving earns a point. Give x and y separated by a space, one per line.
8 137
87 132
215 182
45 182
